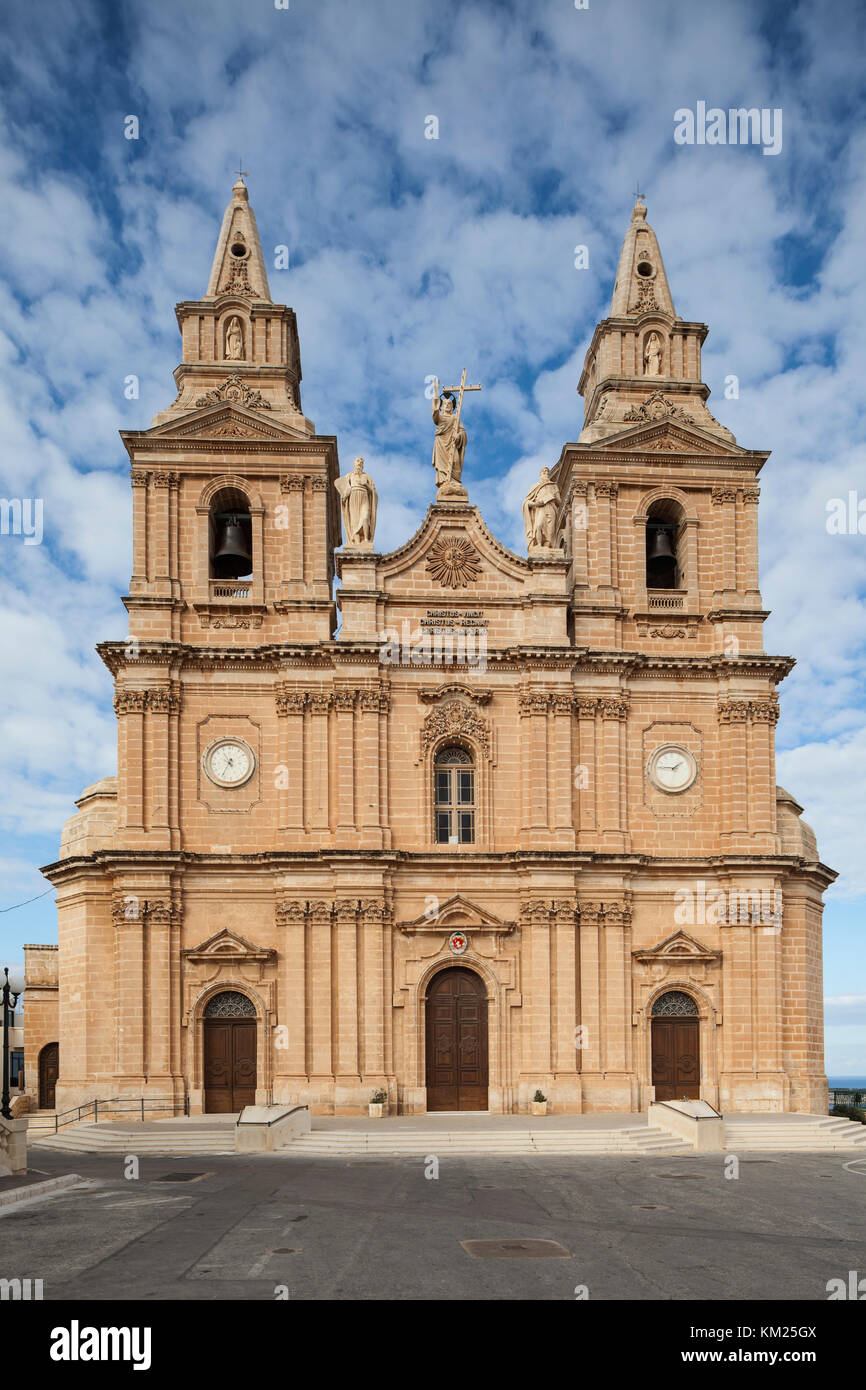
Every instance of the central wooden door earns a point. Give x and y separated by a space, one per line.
229 1064
676 1058
456 1041
49 1067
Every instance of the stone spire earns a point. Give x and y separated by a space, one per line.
643 365
641 281
238 265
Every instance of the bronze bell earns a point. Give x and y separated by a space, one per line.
660 547
232 556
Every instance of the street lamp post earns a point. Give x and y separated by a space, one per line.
11 990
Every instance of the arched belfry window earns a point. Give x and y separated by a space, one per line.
454 797
230 535
664 561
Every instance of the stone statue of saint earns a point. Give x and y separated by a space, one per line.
234 340
539 513
449 447
652 356
358 501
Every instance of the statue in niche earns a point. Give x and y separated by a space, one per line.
652 355
234 340
539 513
358 502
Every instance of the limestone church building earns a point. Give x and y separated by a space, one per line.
539 845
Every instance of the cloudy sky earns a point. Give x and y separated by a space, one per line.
411 256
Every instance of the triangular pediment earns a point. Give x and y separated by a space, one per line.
226 421
451 549
677 948
456 911
668 436
229 945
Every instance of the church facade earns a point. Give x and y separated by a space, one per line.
482 824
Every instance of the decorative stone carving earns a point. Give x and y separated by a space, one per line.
453 562
610 913
539 513
657 407
236 390
166 479
320 701
130 701
740 711
533 702
751 494
358 502
292 482
613 706
429 693
290 701
290 913
455 719
138 477
606 488
163 701
319 482
721 494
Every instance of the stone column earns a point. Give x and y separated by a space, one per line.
764 715
614 713
605 541
160 531
292 490
535 929
565 1002
368 770
319 762
747 558
373 985
590 988
320 984
318 550
162 704
587 789
290 1067
138 582
733 717
128 914
290 790
346 1063
346 832
161 1007
129 706
725 501
563 772
579 532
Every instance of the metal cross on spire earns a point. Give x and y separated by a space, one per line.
242 173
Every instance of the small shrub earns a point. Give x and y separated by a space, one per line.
539 1097
379 1097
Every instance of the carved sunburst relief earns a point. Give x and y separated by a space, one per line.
454 562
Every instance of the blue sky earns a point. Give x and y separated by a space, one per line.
410 257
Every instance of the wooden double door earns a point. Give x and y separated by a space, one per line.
229 1064
457 1041
676 1058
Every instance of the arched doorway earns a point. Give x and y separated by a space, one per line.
456 1041
49 1070
676 1045
230 1038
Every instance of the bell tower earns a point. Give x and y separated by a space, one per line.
235 519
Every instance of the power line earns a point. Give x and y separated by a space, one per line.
27 900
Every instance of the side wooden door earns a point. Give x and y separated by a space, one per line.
229 1064
676 1058
457 1075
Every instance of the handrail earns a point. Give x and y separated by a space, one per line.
282 1115
115 1102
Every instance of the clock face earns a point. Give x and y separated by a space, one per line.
672 768
229 762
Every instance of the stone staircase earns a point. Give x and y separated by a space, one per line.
795 1134
491 1143
217 1137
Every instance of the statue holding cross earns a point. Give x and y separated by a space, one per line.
449 446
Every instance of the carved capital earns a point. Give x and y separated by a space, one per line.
166 479
319 701
320 483
373 910
535 912
585 706
347 911
130 702
751 494
613 706
344 700
139 477
292 482
606 488
721 494
320 912
290 701
533 702
290 913
163 701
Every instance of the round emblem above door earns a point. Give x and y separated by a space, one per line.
229 762
458 943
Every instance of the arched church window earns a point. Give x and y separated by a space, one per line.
664 569
230 536
230 1004
675 1004
454 797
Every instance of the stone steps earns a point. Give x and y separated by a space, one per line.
111 1138
500 1143
811 1133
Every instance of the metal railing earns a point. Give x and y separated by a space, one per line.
97 1108
847 1095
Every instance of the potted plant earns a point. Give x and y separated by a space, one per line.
378 1104
538 1104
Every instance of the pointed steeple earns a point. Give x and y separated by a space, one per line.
644 362
238 265
641 282
240 349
